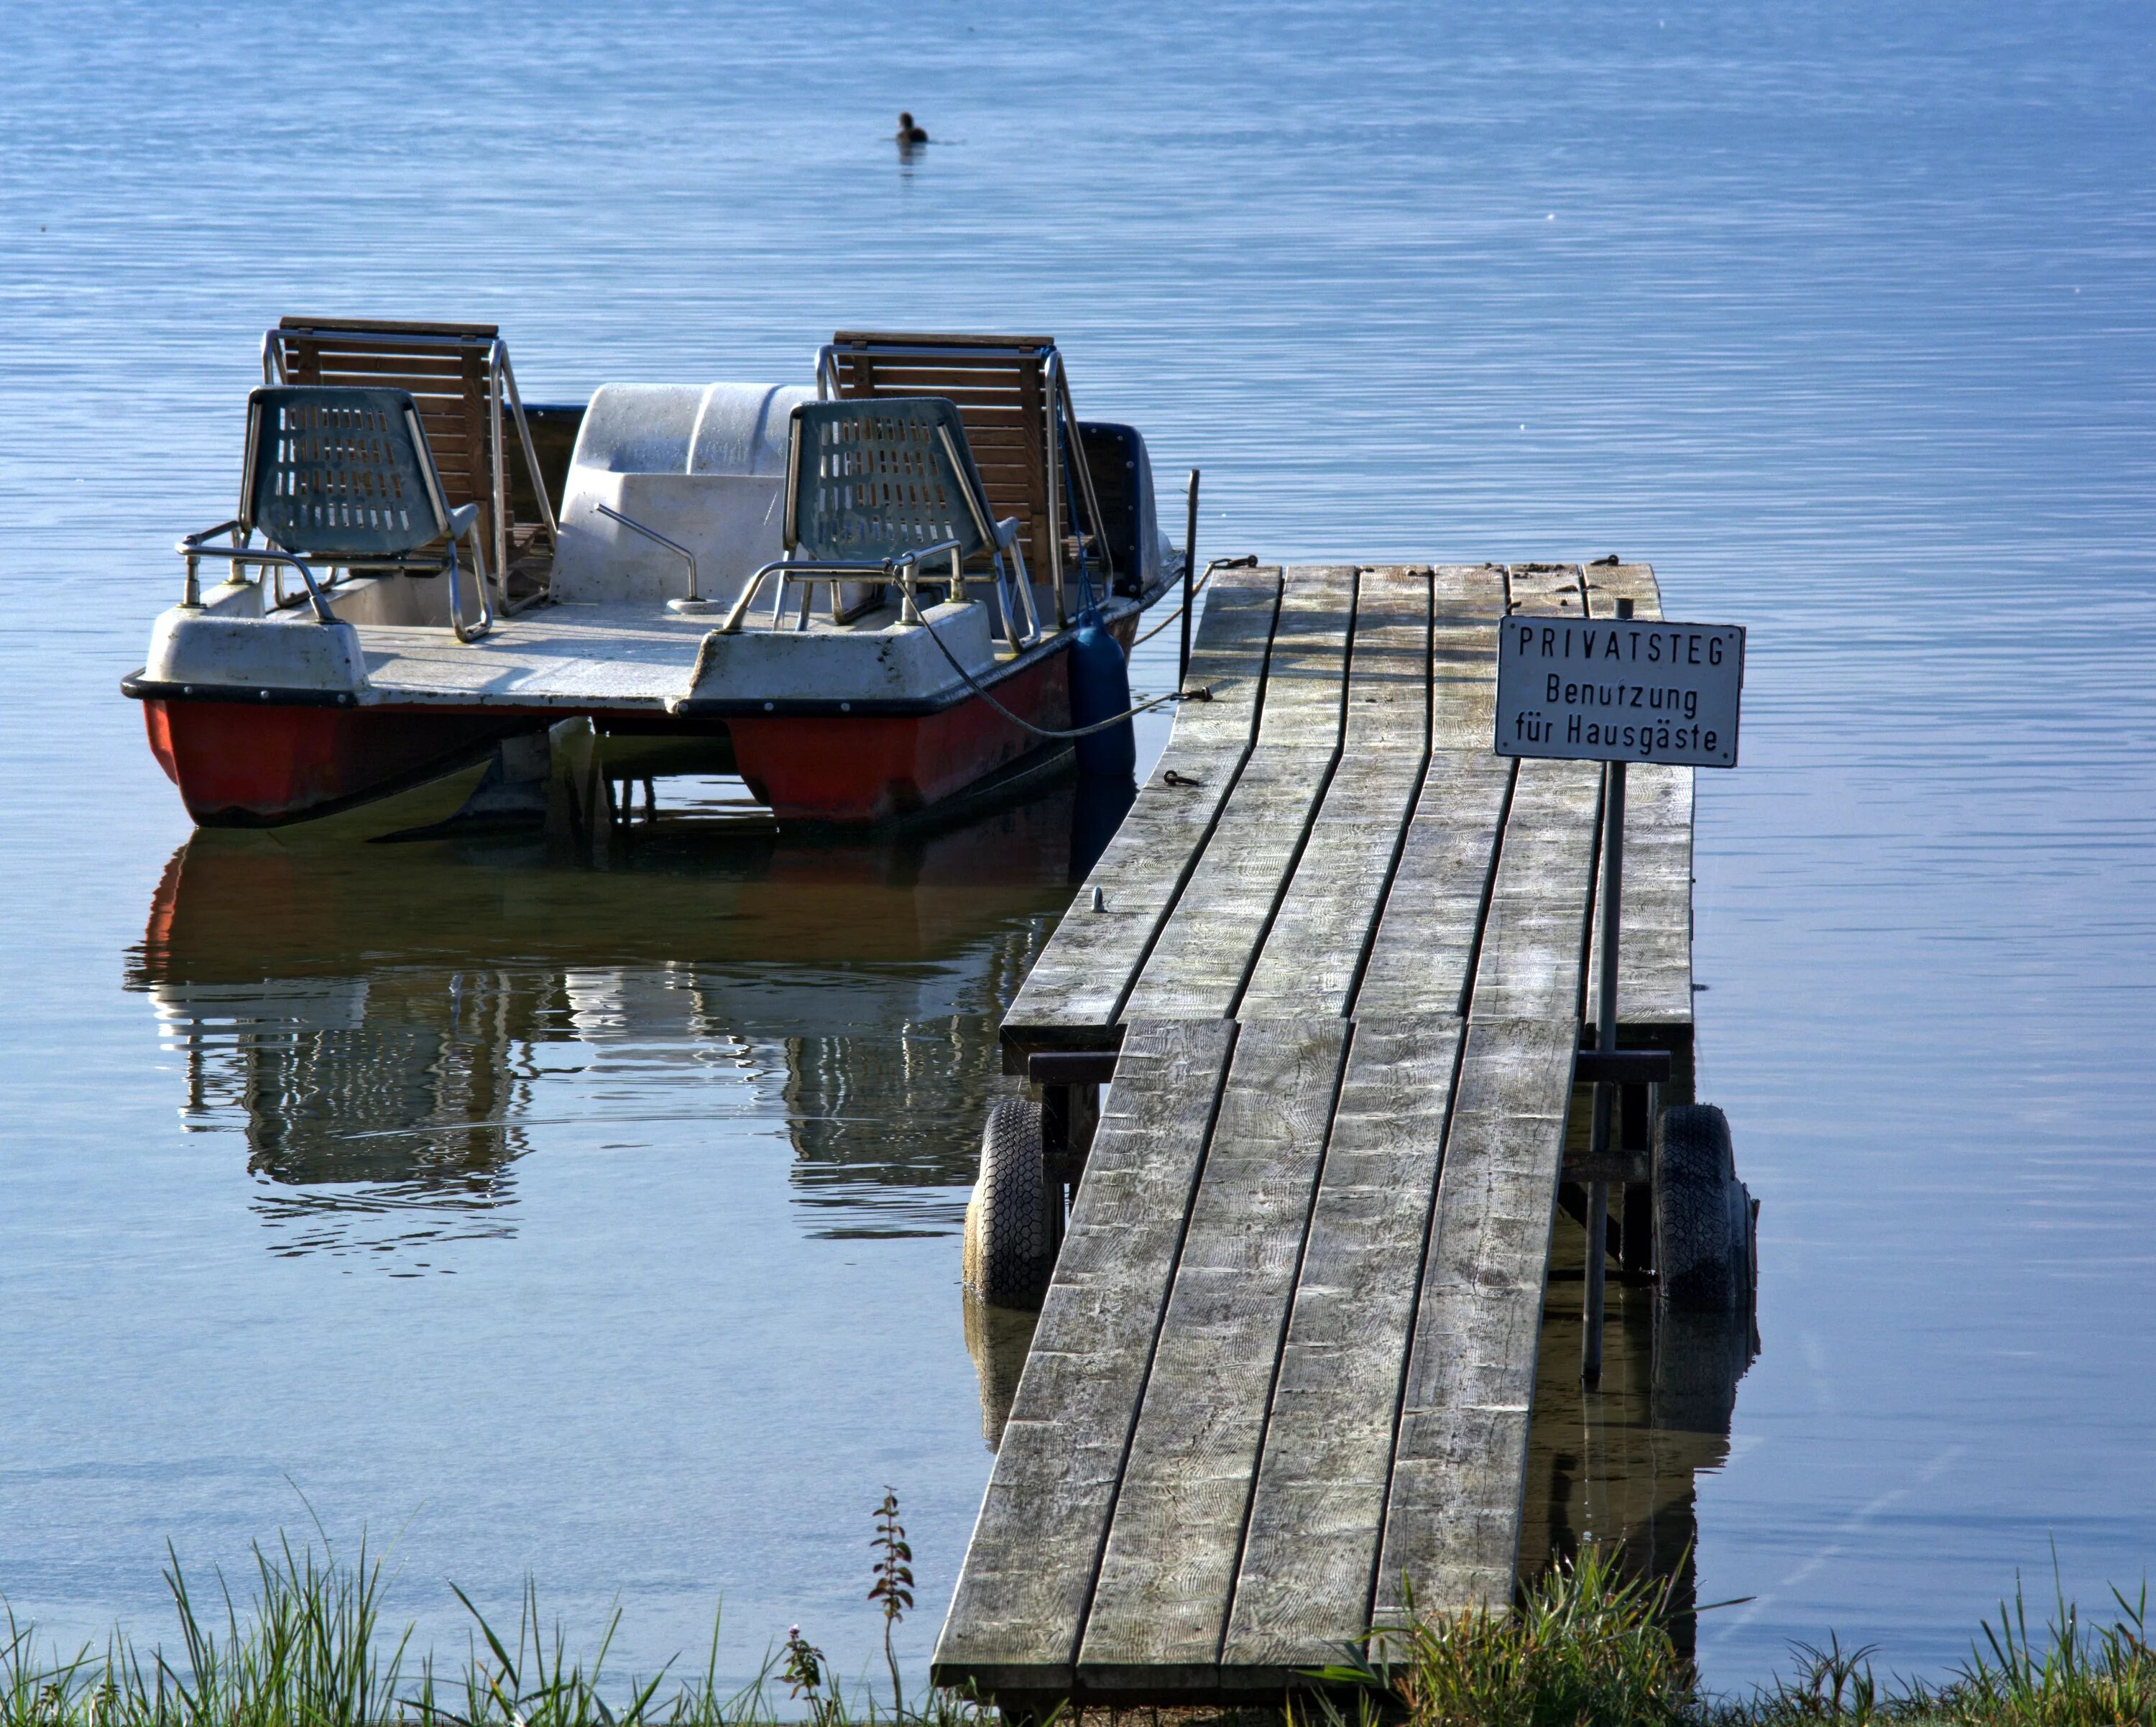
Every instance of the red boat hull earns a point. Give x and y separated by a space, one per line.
261 764
246 764
846 768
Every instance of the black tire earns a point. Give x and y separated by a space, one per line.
1010 1244
1704 1217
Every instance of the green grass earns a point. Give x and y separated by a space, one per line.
308 1648
2063 1674
1585 1646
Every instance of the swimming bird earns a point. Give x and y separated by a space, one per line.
909 133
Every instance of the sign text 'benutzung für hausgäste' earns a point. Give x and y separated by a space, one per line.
1610 690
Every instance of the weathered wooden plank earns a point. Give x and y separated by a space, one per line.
1546 589
1305 678
1425 939
1466 602
1389 671
1209 942
1029 1569
1453 1510
1317 1513
1197 969
1654 980
1459 1471
1314 948
1607 584
1080 980
1419 958
1168 1571
1532 958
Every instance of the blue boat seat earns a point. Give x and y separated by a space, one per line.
873 480
344 476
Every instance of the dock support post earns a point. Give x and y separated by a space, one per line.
1606 1097
1189 577
1069 1113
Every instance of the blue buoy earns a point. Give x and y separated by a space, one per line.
1101 688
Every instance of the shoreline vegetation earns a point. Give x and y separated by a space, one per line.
1585 1646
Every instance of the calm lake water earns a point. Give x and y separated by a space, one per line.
599 1224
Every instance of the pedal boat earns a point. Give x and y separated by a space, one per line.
812 587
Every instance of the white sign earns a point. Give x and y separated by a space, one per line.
1619 689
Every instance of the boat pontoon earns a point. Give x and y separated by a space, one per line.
860 594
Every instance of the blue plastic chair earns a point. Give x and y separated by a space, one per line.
875 488
344 476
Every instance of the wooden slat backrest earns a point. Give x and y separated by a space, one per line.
1000 384
443 365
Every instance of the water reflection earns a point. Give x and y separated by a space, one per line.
393 1027
1622 1464
1619 1465
997 1340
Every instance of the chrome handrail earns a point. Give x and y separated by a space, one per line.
193 549
452 530
1085 472
1020 581
190 549
500 463
1051 441
1061 432
653 534
902 571
502 382
530 451
456 600
240 554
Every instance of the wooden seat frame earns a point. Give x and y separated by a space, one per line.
460 378
1014 400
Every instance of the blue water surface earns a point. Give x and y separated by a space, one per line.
1842 315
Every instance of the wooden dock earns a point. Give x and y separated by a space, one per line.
1341 960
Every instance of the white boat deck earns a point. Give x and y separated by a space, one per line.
577 657
627 653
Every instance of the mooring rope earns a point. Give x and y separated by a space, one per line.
1198 695
1247 560
1203 694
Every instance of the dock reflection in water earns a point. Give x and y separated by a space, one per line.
1622 1464
1616 1466
1619 1466
393 1027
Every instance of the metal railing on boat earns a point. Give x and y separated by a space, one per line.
1059 429
504 408
901 571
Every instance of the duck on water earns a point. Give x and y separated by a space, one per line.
859 593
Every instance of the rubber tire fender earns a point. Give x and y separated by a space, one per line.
1705 1219
1010 1249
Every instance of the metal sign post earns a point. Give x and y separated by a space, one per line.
1605 1040
1576 689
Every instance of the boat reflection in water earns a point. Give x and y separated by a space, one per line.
390 1026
